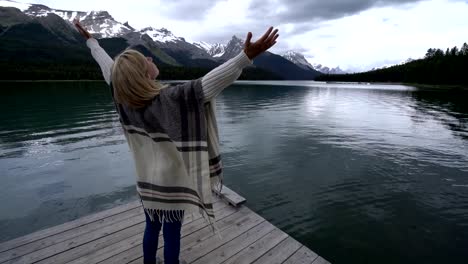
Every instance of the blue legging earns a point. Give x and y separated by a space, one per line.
171 234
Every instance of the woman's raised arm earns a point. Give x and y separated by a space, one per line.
224 75
99 54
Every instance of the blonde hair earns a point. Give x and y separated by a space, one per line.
132 87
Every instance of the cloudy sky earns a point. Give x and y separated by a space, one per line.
353 34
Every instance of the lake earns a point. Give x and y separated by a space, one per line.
360 173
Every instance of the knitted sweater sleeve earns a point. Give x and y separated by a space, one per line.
224 75
102 58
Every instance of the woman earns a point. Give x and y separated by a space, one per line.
172 134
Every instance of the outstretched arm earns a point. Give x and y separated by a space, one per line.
99 54
224 75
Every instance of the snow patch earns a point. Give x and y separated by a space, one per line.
117 28
299 59
84 17
219 54
60 14
203 45
160 35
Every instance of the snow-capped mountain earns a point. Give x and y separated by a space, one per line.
217 50
299 59
102 25
175 46
99 23
222 51
214 50
234 47
203 45
34 23
327 70
161 35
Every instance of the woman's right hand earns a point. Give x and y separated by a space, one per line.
81 29
263 44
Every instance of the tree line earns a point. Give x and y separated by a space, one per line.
61 70
440 67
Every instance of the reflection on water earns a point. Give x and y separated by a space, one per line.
357 172
61 155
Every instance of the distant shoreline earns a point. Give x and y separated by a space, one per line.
51 80
417 85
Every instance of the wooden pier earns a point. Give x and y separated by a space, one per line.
115 236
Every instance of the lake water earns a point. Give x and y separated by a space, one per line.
359 173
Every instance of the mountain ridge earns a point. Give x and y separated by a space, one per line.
161 44
300 60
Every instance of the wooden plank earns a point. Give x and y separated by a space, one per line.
206 232
137 261
202 247
115 236
302 256
122 250
202 223
66 226
101 243
320 260
66 235
109 251
237 244
76 242
280 253
187 229
79 251
259 248
230 196
128 256
241 215
136 252
100 227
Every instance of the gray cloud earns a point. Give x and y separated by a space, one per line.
302 11
258 29
304 15
240 31
188 9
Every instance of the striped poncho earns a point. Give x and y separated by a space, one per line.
174 143
174 140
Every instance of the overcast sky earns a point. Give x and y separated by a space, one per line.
353 34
